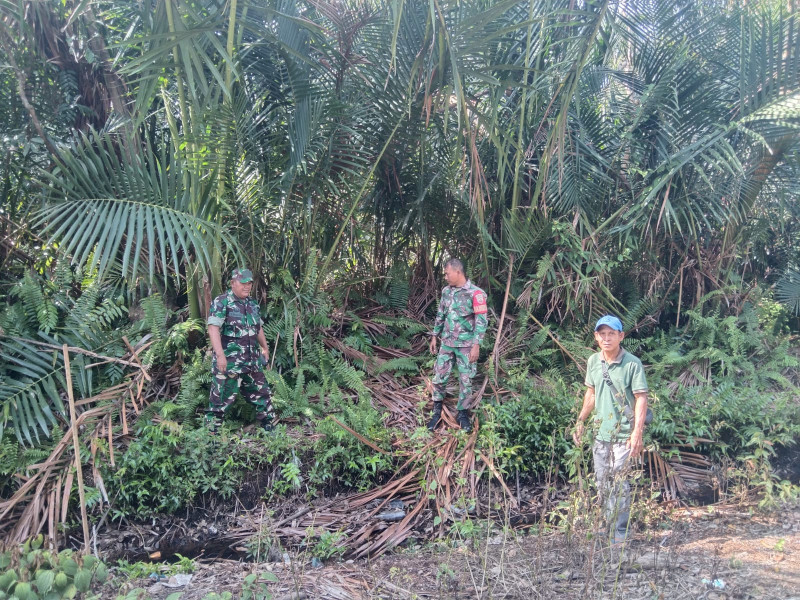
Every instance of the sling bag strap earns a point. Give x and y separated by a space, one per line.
622 401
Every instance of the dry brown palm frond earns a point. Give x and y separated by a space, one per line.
695 374
676 470
41 502
435 480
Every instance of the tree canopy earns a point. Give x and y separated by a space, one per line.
580 156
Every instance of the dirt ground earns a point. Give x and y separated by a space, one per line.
713 553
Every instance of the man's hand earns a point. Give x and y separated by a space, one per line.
474 352
635 444
265 354
432 345
222 363
577 434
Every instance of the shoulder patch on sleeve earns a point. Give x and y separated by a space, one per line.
479 302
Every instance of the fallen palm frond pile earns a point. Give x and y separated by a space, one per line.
680 471
41 503
437 484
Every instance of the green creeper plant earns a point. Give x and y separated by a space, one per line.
32 572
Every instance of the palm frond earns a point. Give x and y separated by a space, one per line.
787 290
106 210
29 389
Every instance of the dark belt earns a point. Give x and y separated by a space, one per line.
247 340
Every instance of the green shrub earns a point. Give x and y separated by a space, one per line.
168 467
254 588
342 457
720 345
329 545
740 419
192 399
533 424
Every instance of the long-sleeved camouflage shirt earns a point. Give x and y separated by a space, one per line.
461 318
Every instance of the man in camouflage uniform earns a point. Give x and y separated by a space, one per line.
461 325
240 352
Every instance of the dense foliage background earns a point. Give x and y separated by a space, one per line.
637 157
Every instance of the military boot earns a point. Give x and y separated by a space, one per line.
464 421
266 425
213 423
436 416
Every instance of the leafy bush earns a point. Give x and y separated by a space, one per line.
740 419
254 588
170 337
721 344
192 399
533 424
322 374
60 307
30 572
726 376
329 545
168 467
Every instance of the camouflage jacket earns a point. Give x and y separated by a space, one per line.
461 318
239 321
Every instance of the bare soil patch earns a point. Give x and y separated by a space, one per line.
713 553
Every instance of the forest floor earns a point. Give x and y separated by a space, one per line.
714 552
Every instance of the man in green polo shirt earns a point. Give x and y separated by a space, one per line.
617 440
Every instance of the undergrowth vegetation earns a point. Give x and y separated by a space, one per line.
343 152
34 572
724 384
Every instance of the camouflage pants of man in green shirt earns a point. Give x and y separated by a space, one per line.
448 356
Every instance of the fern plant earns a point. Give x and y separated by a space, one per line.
192 399
341 457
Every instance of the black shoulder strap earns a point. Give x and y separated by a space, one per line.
622 401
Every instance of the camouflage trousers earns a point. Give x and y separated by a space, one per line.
611 470
224 387
448 355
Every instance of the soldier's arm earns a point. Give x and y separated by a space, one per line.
262 341
481 321
216 340
216 318
216 346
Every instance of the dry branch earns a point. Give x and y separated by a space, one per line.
42 500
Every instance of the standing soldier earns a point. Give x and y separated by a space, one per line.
461 325
240 352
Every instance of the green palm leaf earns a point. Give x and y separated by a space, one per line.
106 212
29 390
787 290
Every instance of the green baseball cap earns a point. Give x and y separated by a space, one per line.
242 275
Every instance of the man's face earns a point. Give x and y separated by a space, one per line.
453 276
242 290
608 339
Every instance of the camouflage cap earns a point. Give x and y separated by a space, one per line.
242 275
